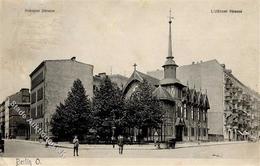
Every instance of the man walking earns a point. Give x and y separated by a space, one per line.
156 140
76 145
120 144
113 139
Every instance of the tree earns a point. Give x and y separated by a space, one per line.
108 109
74 116
143 109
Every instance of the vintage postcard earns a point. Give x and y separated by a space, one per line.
129 82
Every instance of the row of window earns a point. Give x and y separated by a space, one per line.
39 96
196 114
37 113
37 80
199 131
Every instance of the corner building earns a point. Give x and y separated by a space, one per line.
185 109
50 83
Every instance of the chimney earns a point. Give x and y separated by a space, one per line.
73 58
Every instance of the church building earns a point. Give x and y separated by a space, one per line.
184 108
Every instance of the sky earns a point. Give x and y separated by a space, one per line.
113 35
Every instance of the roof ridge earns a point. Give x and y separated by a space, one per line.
147 75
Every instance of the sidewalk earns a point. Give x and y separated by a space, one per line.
132 147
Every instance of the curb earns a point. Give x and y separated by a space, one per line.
142 147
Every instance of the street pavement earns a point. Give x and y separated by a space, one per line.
240 150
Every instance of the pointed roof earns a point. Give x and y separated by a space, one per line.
140 77
169 58
162 94
205 101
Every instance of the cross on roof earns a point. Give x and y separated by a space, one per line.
170 16
135 66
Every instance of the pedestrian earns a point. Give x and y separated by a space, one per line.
40 139
156 140
113 139
121 144
76 146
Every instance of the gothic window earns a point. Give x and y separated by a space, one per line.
185 111
181 111
185 131
179 93
192 113
172 91
192 131
206 115
198 114
205 132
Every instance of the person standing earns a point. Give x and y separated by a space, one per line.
76 145
156 140
120 144
113 139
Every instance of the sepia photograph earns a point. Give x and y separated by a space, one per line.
129 82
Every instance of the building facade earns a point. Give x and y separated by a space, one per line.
50 83
12 124
184 108
233 106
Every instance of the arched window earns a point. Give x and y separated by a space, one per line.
184 111
191 111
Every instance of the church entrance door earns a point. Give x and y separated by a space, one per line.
179 130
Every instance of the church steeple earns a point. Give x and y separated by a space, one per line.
170 65
170 37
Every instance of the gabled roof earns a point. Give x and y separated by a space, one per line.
150 79
162 94
206 101
140 77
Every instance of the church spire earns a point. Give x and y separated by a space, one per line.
170 65
170 36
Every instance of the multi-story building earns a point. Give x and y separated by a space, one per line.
12 124
233 106
50 83
2 118
184 108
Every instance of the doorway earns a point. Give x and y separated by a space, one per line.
179 130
